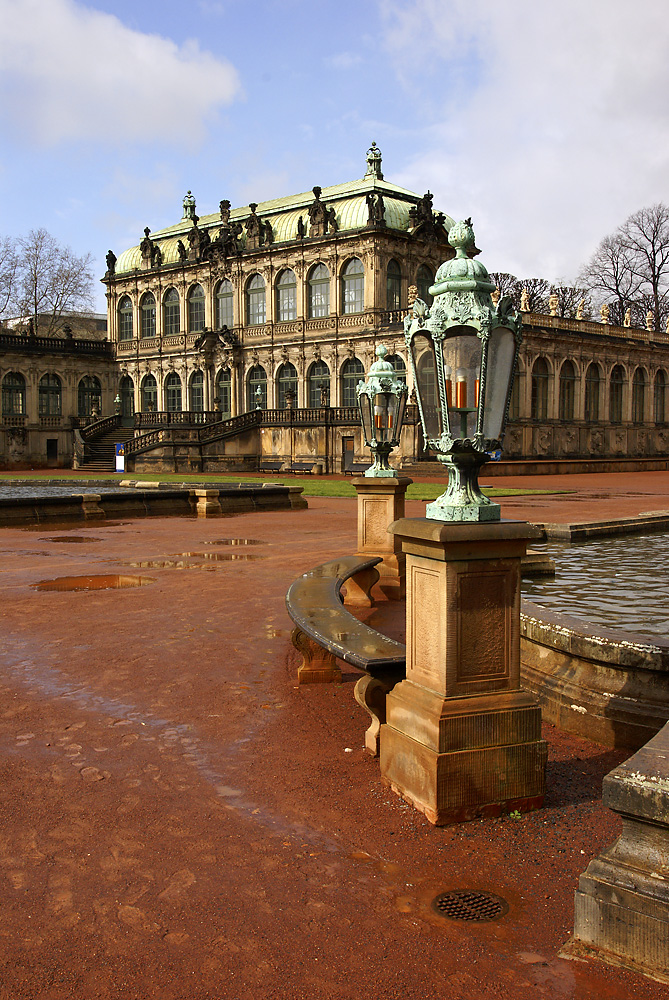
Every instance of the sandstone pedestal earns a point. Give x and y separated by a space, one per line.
461 739
380 503
208 503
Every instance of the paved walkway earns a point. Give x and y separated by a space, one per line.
180 821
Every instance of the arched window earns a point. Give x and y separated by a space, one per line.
255 301
616 387
286 296
149 394
540 377
13 394
196 309
660 397
197 392
638 396
171 317
224 393
567 391
89 396
148 316
286 381
351 372
256 388
318 380
593 379
319 292
50 396
173 393
125 318
397 361
427 378
126 389
516 395
224 305
393 286
424 279
353 287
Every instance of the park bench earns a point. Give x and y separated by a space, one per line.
306 468
325 631
273 465
352 468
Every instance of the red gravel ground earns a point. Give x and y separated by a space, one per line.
179 820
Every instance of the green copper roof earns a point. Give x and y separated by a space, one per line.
348 201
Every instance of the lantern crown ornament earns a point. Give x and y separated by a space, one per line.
382 400
463 352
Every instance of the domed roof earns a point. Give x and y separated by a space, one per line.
349 202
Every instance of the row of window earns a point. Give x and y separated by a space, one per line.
255 297
592 408
50 395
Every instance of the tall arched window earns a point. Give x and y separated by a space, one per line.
125 318
427 378
255 301
319 292
353 287
50 395
286 296
567 391
149 394
89 396
397 361
256 388
616 387
13 394
638 396
196 309
147 316
173 393
424 279
351 372
593 379
224 305
318 380
224 393
660 397
540 378
516 395
171 317
126 391
197 392
393 286
286 380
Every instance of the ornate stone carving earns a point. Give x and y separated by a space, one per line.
605 312
553 303
375 209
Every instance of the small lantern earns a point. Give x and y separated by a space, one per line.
382 399
463 352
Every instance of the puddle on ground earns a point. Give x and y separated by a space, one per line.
219 556
236 541
112 581
60 525
183 562
70 538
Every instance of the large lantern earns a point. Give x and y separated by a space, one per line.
463 352
382 399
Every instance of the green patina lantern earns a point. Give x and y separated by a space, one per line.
463 352
382 401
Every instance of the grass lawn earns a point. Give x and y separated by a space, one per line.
313 485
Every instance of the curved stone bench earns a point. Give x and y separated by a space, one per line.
325 632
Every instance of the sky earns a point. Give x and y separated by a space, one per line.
547 123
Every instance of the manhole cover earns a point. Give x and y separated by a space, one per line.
461 904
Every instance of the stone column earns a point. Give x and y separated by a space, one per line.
462 740
380 503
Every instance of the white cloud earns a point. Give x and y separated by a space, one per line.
551 119
69 73
343 60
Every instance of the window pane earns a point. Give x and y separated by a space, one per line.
197 392
319 384
171 317
223 391
196 309
224 306
255 301
319 292
125 319
353 287
351 373
286 297
394 286
50 396
256 388
148 316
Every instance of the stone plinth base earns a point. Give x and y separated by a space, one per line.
621 907
208 504
380 503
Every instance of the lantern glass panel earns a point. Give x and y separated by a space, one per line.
425 371
365 404
461 355
384 417
501 357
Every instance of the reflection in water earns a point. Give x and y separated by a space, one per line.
182 561
112 581
236 541
70 538
612 582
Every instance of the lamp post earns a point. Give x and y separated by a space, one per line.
382 401
463 352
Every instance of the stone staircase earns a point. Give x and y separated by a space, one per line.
100 455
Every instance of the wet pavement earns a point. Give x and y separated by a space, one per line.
179 820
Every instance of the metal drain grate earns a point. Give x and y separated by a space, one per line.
460 904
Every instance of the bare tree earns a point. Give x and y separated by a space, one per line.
609 276
52 280
9 263
538 290
507 284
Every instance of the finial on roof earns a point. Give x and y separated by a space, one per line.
374 162
189 207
